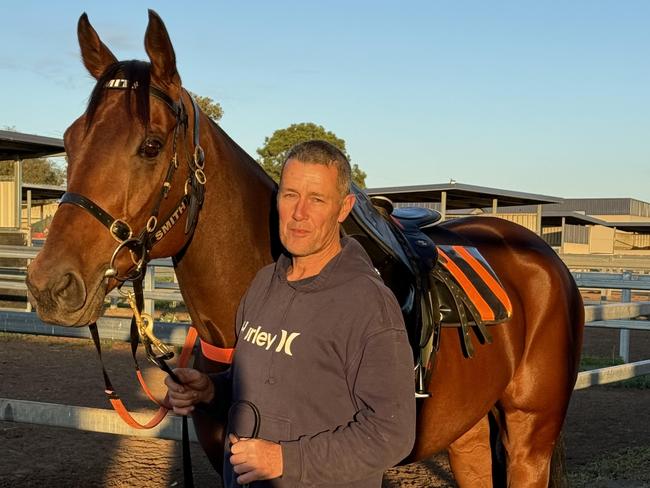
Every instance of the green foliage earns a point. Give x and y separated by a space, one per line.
358 176
274 150
41 171
209 107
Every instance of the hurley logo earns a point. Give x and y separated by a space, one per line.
256 336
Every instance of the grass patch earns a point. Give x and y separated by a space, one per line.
594 362
629 464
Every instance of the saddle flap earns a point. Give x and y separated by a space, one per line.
372 224
483 293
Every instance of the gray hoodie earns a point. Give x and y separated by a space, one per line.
327 362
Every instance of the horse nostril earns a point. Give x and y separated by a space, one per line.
70 291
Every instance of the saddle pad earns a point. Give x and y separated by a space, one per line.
485 297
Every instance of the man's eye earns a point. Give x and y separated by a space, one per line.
150 148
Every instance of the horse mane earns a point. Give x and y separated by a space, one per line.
137 74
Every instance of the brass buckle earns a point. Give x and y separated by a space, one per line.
112 272
113 230
151 224
154 347
200 176
199 157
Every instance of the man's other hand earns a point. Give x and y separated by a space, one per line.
255 459
196 388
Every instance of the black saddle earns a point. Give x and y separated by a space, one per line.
400 243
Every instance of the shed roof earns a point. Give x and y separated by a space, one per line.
460 195
640 227
17 145
553 218
42 192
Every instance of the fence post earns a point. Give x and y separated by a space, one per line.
149 284
624 334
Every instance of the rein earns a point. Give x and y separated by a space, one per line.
139 250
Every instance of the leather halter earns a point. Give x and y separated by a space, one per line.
154 230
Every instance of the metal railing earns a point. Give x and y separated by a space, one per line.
609 262
14 278
608 315
625 282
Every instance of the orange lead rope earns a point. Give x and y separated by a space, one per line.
211 352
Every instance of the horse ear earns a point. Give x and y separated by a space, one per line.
94 53
161 52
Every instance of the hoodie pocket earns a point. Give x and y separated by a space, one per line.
275 428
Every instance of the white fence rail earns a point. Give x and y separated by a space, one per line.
88 419
14 278
625 282
612 374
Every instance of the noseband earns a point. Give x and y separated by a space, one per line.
139 247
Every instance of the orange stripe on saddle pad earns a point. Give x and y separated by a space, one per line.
473 294
494 286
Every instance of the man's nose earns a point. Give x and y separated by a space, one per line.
300 210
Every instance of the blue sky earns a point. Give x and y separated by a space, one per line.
541 97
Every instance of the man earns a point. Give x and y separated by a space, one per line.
322 352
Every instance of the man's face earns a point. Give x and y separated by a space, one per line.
310 207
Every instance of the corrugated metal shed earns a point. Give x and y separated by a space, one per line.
17 145
592 206
460 195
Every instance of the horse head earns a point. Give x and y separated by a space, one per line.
135 180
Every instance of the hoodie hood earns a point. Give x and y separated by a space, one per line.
350 262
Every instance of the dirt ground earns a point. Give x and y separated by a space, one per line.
604 425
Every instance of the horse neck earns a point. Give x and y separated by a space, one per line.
233 238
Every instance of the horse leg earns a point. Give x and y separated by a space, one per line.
534 406
529 443
470 457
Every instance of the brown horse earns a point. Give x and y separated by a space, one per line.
133 154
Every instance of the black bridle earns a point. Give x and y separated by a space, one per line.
139 247
155 230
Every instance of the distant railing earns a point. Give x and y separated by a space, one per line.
607 262
604 315
14 278
608 315
625 282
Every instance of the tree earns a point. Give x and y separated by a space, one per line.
41 171
209 107
274 150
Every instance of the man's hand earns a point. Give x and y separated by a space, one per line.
196 388
255 459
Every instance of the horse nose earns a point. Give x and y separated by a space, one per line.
55 294
68 291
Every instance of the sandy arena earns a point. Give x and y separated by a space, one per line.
604 425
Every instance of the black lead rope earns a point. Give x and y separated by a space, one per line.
159 360
256 424
188 477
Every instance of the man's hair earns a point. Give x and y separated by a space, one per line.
322 152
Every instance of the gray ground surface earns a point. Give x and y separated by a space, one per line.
604 425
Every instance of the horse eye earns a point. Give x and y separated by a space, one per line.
150 148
